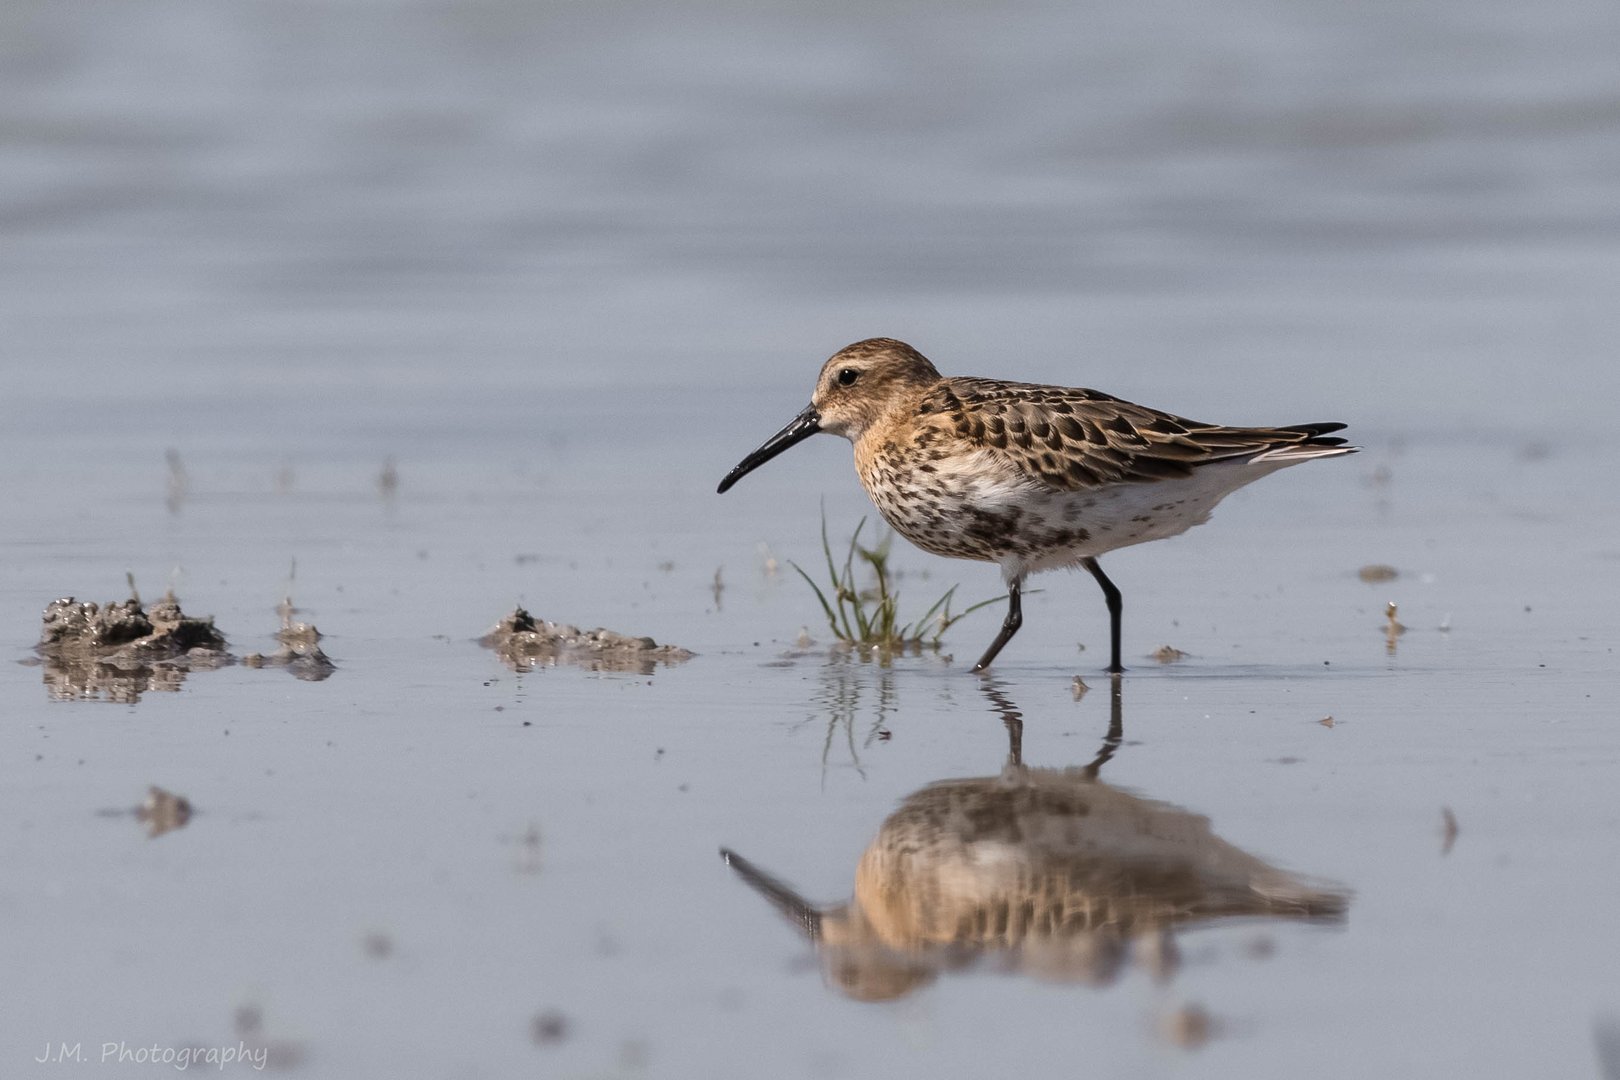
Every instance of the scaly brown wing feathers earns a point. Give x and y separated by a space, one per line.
1077 439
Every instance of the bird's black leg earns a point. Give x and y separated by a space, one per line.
1009 627
1116 605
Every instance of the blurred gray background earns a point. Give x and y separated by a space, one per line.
389 226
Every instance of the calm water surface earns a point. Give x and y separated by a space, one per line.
565 265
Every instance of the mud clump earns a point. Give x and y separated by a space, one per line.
525 643
118 651
300 653
124 631
163 811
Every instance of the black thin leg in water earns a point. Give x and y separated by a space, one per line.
1116 605
1009 626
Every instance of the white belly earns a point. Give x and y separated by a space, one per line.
983 510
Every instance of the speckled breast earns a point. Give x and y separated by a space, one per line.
964 505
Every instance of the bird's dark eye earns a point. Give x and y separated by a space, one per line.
848 376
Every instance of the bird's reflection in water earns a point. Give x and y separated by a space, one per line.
1048 872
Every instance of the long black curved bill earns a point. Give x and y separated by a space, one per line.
799 429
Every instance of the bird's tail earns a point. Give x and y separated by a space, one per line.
1309 441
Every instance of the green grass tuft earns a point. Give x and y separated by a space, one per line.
870 616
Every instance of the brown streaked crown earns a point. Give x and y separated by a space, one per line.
861 382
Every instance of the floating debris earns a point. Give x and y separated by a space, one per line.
1373 573
163 811
528 861
1448 830
525 643
1327 721
120 650
1166 654
248 1023
1392 628
548 1028
388 480
768 566
1188 1027
248 1019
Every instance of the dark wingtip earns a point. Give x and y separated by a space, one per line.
1317 433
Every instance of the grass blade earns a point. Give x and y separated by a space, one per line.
872 617
826 607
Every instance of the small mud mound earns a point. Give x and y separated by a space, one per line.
300 653
525 643
163 811
160 812
126 631
119 651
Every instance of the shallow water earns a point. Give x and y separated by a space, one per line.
566 266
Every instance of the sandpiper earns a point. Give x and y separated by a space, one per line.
1026 476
